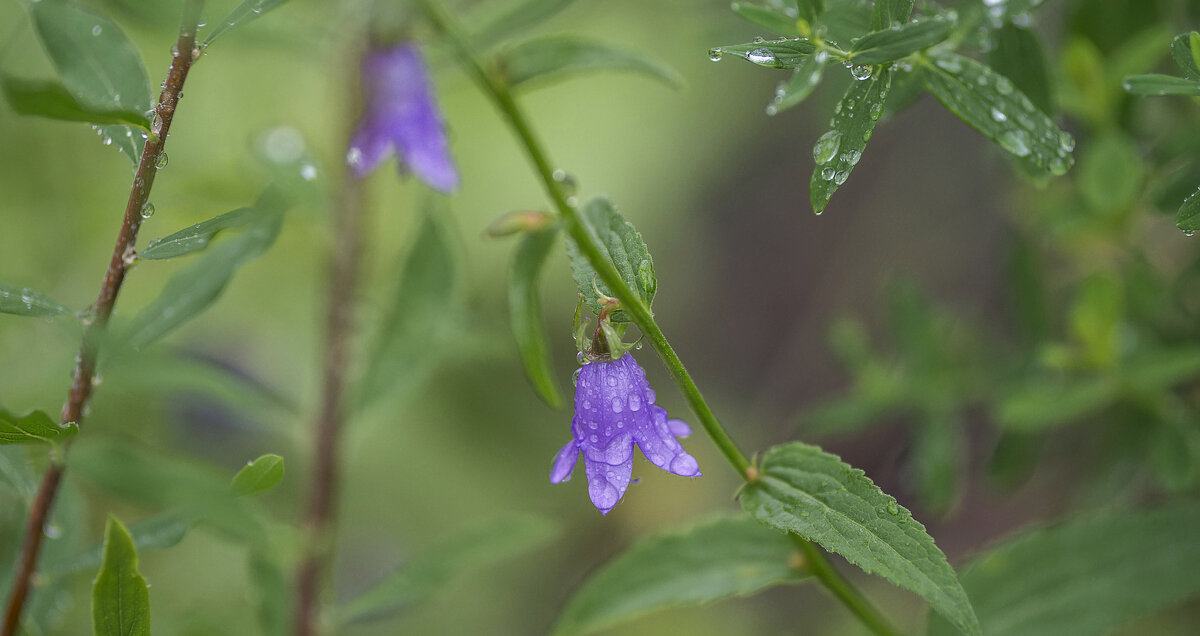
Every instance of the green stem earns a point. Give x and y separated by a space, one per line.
595 253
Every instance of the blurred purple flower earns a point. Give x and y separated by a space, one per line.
615 409
401 116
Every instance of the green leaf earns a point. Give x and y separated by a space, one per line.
120 596
1019 56
772 18
936 447
1158 370
159 532
194 289
989 103
523 16
889 12
247 11
1185 50
1046 403
1086 577
1156 84
525 312
23 301
894 43
802 83
99 67
49 99
1110 173
625 249
258 476
781 53
1188 217
721 558
550 58
272 593
839 150
34 427
804 490
431 570
197 237
407 339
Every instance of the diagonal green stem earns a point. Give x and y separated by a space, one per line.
497 90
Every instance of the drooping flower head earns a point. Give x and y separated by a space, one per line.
401 116
614 410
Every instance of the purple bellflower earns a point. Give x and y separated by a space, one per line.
614 410
401 116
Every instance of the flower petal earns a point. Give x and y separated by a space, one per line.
659 446
564 463
607 482
679 428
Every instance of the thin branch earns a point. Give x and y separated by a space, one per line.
184 55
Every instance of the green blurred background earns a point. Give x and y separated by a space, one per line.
749 283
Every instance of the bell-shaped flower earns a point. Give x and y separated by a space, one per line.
615 410
401 116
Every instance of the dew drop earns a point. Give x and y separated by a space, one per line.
147 210
998 115
593 425
758 39
97 30
876 110
1189 232
1066 141
826 147
308 172
635 402
51 530
161 161
651 396
827 173
354 157
761 56
715 54
565 182
617 406
852 157
841 177
861 72
1016 142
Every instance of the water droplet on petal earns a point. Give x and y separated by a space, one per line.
635 402
617 406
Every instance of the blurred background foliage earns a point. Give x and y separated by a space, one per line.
994 350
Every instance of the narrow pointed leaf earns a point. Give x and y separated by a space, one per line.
40 98
23 301
1156 84
247 11
1051 582
783 53
407 339
889 12
1185 53
159 532
431 570
550 58
839 150
272 594
804 490
197 237
120 596
625 248
1019 56
98 65
768 17
887 45
1188 217
258 476
721 558
1046 403
525 312
989 103
34 427
521 17
802 83
195 288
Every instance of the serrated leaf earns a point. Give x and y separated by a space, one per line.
886 13
98 65
159 532
550 58
258 476
717 559
407 338
839 150
525 312
1188 217
523 16
1019 56
194 289
1086 577
781 53
1156 84
41 98
805 490
989 103
802 83
625 248
771 18
1187 57
120 596
431 570
197 237
35 427
894 43
23 301
247 11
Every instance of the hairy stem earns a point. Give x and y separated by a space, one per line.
183 56
346 257
498 91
